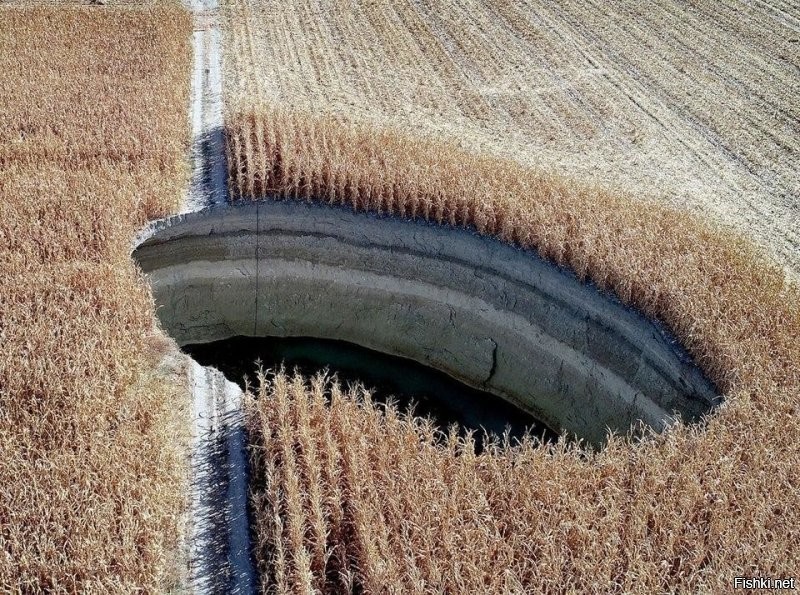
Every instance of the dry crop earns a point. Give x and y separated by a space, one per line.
92 138
353 498
346 496
695 105
687 511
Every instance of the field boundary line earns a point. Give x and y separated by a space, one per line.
219 536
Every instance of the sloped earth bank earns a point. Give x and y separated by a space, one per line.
492 316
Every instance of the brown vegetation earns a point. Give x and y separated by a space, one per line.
92 139
690 104
349 495
686 511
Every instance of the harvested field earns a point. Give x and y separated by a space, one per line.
692 105
93 133
436 112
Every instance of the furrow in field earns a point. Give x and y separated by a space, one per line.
670 146
429 45
494 58
749 190
321 46
624 76
719 77
759 122
396 56
576 74
562 68
784 13
358 42
687 104
311 53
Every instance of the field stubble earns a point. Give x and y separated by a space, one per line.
317 97
92 143
689 105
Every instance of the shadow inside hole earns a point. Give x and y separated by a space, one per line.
431 392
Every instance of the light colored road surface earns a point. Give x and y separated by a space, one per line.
208 156
691 103
218 546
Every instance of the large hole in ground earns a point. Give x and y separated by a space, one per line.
407 383
496 318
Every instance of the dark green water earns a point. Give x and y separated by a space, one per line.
432 393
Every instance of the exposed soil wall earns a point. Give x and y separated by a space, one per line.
492 316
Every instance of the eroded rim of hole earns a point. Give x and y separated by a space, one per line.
493 316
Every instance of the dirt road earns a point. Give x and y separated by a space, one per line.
218 540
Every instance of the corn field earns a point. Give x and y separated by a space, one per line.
691 105
593 134
92 140
686 511
344 106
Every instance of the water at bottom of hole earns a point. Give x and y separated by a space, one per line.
433 393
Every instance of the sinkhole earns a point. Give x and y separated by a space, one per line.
408 384
495 319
